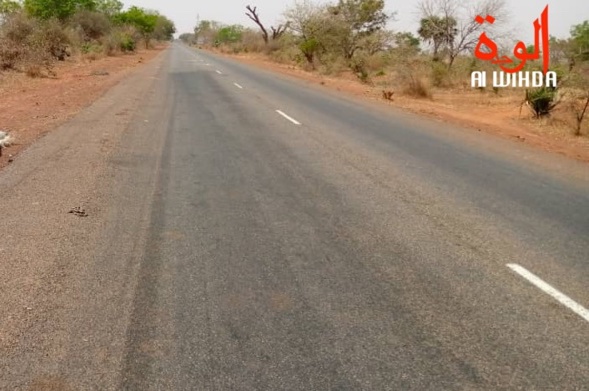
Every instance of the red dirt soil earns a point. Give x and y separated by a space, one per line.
29 108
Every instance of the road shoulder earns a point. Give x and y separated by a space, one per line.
33 107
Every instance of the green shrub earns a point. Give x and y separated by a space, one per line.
229 34
91 47
309 47
358 65
127 43
55 9
541 101
120 40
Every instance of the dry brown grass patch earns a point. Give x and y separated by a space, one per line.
417 88
34 71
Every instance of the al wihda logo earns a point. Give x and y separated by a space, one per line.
511 74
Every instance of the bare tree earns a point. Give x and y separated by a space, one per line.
464 35
581 111
306 19
579 83
253 15
277 32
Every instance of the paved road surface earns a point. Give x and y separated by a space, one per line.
246 231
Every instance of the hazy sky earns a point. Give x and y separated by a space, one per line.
563 13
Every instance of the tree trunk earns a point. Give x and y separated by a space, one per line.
581 116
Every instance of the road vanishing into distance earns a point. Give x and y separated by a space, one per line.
207 225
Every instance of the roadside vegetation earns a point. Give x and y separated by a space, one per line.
35 34
354 39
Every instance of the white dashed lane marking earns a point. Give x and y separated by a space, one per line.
551 291
294 121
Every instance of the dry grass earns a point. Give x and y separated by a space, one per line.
34 71
417 87
91 56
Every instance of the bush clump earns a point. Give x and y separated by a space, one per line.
91 25
127 43
541 101
416 87
28 45
440 74
36 33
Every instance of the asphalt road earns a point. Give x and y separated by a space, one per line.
246 231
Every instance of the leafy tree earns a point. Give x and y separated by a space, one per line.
358 19
109 7
307 21
188 38
439 31
406 40
206 31
350 29
144 21
451 24
230 34
376 42
364 16
9 6
92 24
561 51
164 29
60 9
580 40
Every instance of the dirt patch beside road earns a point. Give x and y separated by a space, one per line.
32 107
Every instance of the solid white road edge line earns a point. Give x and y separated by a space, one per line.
294 121
551 291
238 86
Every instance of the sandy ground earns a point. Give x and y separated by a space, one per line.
500 115
32 107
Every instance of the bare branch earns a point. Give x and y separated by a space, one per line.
253 15
279 31
581 115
